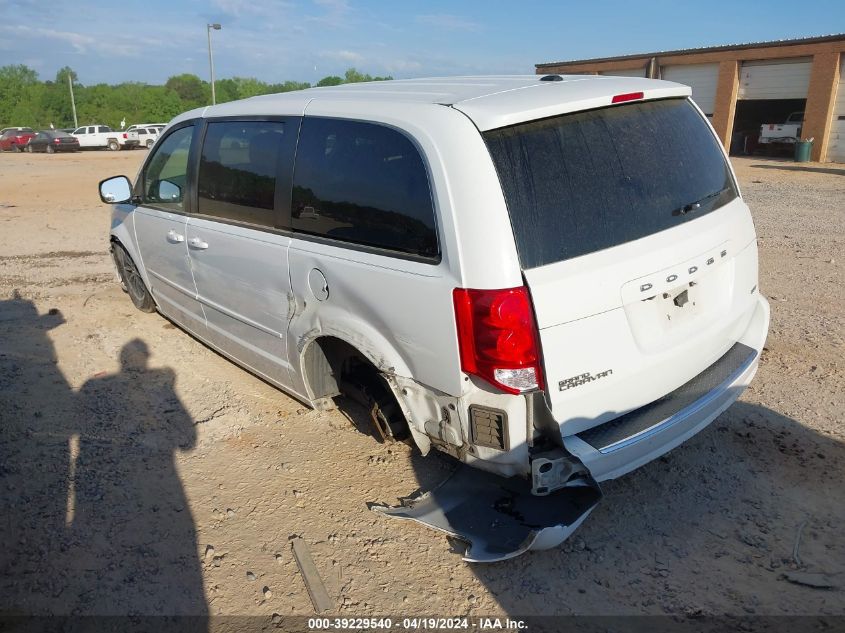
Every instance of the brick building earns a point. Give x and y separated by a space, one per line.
744 86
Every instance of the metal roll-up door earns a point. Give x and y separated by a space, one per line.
781 79
702 78
631 72
836 139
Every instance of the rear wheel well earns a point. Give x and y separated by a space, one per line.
334 368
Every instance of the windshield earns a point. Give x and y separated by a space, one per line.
578 183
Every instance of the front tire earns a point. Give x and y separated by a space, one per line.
131 281
150 143
16 148
114 146
29 149
51 149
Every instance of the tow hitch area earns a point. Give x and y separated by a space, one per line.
498 518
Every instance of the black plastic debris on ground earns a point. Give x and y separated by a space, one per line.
498 518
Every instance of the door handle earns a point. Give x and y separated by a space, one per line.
197 243
175 238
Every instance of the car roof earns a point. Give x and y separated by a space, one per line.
490 101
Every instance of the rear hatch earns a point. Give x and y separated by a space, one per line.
638 252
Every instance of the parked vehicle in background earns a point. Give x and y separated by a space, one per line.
128 139
787 132
14 139
507 269
102 136
147 136
157 126
18 129
52 141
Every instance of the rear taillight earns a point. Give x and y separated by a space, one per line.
125 136
56 140
498 338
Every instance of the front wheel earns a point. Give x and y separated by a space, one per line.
114 146
29 148
149 143
51 149
16 148
131 281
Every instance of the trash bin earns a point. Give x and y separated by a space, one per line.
802 151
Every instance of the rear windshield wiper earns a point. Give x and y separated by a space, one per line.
695 206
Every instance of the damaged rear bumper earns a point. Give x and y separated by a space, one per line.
498 518
625 443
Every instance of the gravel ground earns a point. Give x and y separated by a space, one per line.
110 506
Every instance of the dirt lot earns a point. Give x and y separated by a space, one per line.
189 476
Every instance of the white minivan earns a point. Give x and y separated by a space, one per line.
545 277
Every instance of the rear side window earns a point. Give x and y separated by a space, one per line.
583 182
365 184
238 168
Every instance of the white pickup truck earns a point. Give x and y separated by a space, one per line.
100 136
788 132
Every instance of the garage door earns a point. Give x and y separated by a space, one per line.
783 79
702 78
631 72
836 141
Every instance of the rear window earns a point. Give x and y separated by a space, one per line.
579 183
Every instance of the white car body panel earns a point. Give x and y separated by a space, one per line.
243 285
254 299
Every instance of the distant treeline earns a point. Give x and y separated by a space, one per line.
27 101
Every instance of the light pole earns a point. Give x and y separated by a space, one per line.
216 27
72 100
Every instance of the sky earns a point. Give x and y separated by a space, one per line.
304 40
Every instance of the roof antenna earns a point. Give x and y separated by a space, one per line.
551 78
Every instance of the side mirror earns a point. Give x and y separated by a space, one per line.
169 192
115 190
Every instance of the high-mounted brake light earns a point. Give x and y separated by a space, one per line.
628 96
498 338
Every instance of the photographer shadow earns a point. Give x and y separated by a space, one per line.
95 520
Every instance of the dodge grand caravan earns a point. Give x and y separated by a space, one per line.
545 277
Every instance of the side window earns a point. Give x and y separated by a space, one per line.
238 167
90 130
104 129
362 183
166 174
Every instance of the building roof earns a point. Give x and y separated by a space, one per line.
707 49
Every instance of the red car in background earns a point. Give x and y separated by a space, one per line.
14 139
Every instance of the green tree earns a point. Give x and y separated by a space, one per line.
61 76
227 90
331 80
353 77
24 100
289 86
190 88
16 82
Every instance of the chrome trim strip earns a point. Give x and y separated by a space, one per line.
687 411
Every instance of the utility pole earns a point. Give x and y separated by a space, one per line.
72 100
216 27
